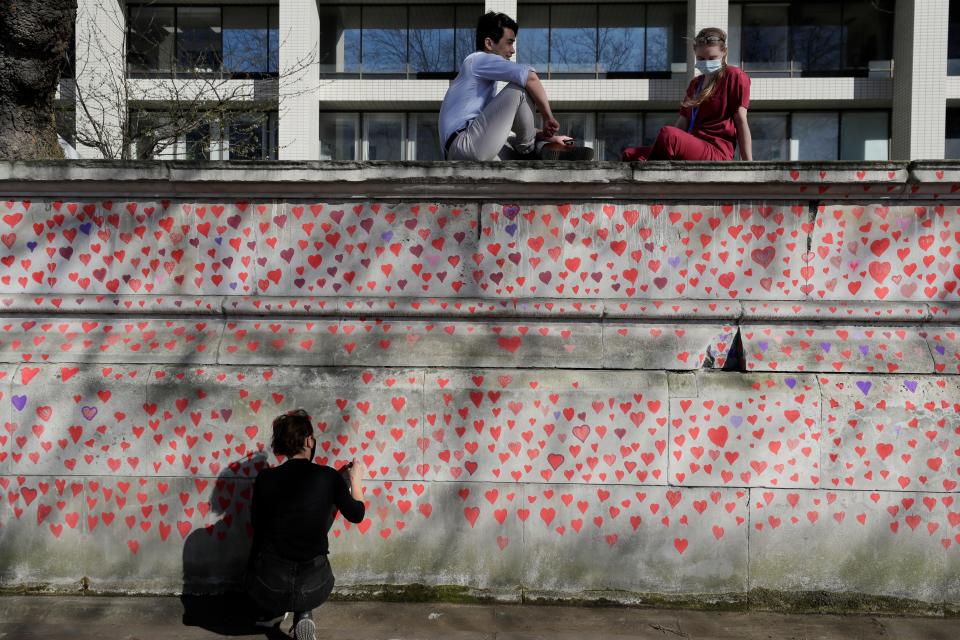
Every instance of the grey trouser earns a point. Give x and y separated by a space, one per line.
488 135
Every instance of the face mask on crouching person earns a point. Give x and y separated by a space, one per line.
707 67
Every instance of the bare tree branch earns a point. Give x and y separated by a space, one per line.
147 113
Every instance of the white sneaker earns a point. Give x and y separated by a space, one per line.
305 630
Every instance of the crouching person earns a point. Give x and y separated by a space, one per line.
713 115
476 122
291 512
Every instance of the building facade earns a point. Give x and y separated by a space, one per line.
363 79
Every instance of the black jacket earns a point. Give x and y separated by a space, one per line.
291 508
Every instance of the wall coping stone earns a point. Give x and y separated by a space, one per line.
485 180
432 307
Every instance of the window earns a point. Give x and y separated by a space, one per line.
151 135
621 39
652 123
616 131
383 136
273 62
864 135
66 122
533 47
383 40
820 135
606 40
237 40
798 135
251 136
425 136
817 36
573 39
339 39
163 135
198 141
423 41
251 39
338 136
953 41
764 42
466 31
952 149
868 27
414 136
665 44
815 136
69 64
432 47
578 126
150 41
199 45
840 37
769 133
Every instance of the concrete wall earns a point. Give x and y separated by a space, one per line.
600 396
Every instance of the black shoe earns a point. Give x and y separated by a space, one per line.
268 622
567 152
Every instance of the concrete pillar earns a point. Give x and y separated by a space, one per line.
101 95
508 7
299 84
702 14
919 73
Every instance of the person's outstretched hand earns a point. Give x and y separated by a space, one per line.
357 472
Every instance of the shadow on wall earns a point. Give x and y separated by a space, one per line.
215 557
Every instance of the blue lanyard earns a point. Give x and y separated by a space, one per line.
693 115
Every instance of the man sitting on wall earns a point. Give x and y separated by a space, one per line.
476 122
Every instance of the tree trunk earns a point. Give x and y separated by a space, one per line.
34 40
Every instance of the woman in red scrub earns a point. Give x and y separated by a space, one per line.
713 115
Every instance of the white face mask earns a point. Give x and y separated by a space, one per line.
709 66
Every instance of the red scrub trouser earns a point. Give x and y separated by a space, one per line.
674 144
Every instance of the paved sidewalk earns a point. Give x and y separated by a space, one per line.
160 618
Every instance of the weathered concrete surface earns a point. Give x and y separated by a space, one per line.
557 426
885 251
91 618
666 346
746 430
745 381
802 541
151 493
635 539
644 250
834 348
894 432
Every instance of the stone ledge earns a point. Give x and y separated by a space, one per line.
797 311
432 307
473 180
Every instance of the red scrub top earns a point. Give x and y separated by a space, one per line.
714 121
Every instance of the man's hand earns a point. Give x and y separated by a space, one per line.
357 472
550 127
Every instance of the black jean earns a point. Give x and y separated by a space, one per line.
279 585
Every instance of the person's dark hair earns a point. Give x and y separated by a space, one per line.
290 431
491 25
